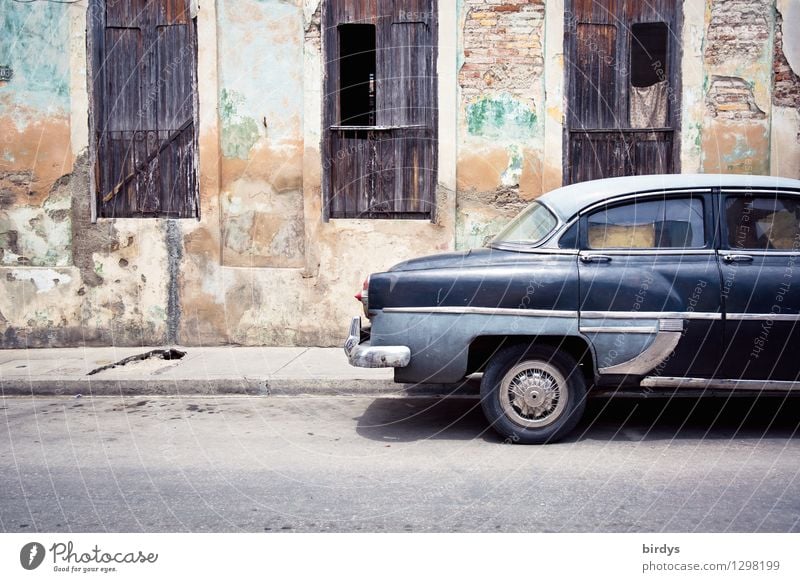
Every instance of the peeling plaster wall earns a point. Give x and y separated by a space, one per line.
738 61
260 110
34 136
785 138
63 280
308 298
501 114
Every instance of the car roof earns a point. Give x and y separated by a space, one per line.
569 200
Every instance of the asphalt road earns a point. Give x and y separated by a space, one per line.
392 464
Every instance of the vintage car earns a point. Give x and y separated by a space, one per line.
670 283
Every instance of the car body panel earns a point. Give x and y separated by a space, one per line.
643 313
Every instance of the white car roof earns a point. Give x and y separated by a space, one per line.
570 200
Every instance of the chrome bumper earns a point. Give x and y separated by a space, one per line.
363 355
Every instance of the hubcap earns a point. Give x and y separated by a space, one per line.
533 394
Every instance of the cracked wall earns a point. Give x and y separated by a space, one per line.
501 114
785 136
260 110
63 280
738 86
34 137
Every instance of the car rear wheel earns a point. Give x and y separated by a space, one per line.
533 394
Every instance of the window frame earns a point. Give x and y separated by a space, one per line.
704 195
725 193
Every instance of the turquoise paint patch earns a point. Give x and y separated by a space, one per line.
34 42
513 172
741 152
239 134
261 60
501 117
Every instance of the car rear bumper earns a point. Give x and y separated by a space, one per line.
363 355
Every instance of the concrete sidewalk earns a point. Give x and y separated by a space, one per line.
202 370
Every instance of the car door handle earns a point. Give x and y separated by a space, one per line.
595 259
737 258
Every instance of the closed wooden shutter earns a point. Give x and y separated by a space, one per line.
143 56
385 168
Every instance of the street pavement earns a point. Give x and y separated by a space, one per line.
375 464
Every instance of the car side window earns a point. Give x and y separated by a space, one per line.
763 223
649 224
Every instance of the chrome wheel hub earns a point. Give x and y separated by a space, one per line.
532 394
535 394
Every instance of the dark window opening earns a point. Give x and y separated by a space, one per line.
648 53
357 74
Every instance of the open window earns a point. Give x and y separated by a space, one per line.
622 62
357 74
648 75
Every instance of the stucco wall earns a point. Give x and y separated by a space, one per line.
738 85
501 114
63 280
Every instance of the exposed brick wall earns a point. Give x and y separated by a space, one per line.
732 98
738 30
786 92
502 47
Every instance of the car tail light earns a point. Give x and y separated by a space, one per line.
363 296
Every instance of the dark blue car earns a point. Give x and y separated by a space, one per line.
673 283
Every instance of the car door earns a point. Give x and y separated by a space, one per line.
759 258
650 285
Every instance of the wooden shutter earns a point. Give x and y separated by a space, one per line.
144 65
600 141
388 169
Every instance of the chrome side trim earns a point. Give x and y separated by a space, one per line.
645 195
619 330
761 253
658 351
653 251
722 384
670 325
454 310
649 315
763 316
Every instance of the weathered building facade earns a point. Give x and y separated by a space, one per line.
228 171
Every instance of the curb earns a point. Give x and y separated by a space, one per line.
227 386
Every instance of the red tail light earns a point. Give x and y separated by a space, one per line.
363 296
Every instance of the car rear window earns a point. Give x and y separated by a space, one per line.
762 223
